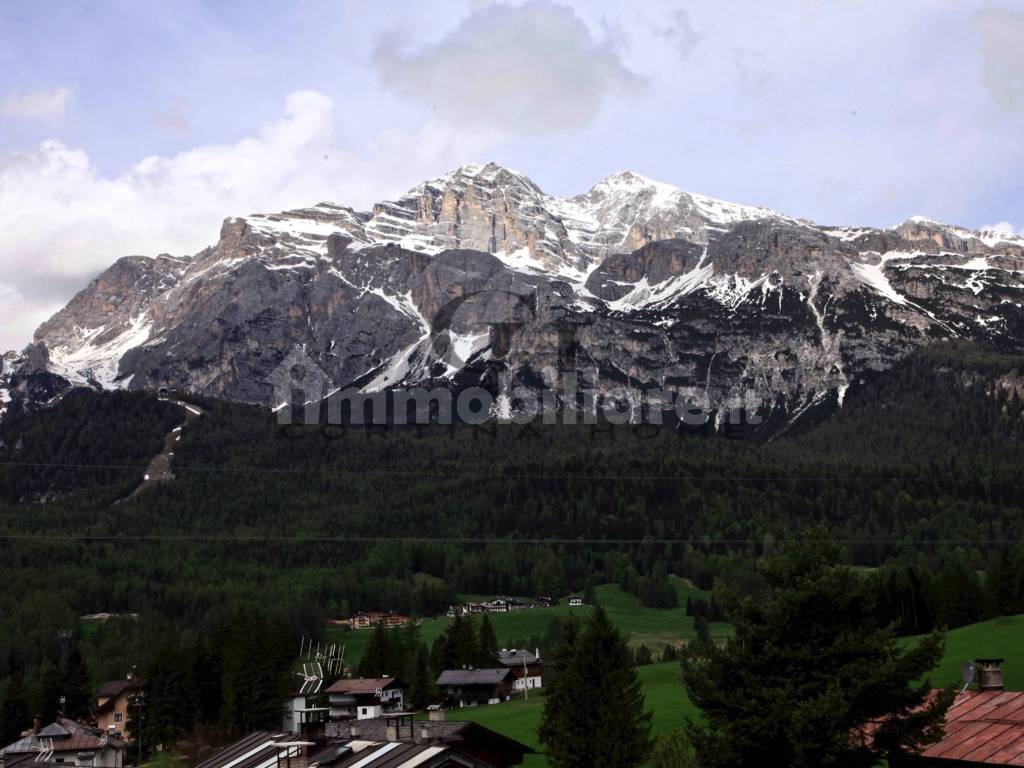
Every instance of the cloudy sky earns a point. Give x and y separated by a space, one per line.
136 127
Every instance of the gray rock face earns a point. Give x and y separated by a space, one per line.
631 287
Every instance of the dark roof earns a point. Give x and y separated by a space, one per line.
984 727
331 754
364 685
438 731
474 676
116 688
395 754
515 658
65 735
257 747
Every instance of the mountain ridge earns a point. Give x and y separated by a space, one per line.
635 281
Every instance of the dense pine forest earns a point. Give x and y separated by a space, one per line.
268 531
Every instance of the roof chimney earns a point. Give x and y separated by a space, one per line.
391 731
424 734
990 674
353 730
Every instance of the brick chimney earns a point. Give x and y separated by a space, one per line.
990 674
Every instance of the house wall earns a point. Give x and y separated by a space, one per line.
116 716
528 683
102 758
368 711
476 694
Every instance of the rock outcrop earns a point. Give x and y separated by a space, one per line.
633 285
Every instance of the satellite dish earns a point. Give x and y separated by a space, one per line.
967 673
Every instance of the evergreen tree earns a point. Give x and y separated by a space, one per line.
171 696
559 685
700 627
672 750
460 646
598 688
377 654
75 686
1004 583
670 653
808 665
257 658
49 691
421 687
15 716
487 641
642 656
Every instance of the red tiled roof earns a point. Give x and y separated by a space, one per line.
985 727
64 735
361 685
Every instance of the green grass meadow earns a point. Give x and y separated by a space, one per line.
654 627
664 694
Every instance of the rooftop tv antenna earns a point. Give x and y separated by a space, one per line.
967 674
331 656
312 675
45 751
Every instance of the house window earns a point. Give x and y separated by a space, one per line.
118 717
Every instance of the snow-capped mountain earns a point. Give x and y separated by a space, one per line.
633 283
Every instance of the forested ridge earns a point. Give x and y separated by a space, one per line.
916 476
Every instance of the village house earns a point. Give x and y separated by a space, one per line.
365 698
113 699
65 742
575 599
984 726
527 668
470 687
366 619
301 713
370 619
497 605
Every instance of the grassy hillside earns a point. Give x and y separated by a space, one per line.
670 706
654 627
1001 638
519 719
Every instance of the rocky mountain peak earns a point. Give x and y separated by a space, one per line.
639 280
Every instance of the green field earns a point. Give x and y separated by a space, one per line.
654 627
666 699
1001 638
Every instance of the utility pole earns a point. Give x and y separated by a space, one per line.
526 677
138 701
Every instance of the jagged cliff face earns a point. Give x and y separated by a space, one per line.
479 273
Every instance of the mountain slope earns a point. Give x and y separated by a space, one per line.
634 284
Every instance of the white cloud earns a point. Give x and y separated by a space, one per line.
1000 32
680 33
528 69
63 221
1003 228
47 106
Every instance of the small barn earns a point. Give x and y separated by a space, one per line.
469 687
